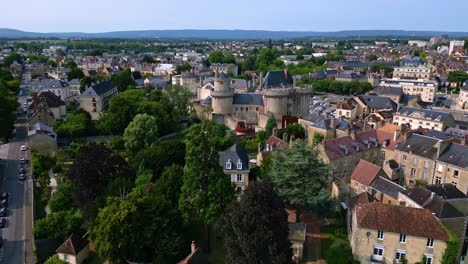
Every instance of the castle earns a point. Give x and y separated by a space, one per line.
221 100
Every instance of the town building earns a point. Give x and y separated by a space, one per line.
235 163
272 144
463 97
426 89
423 118
457 46
413 73
46 107
56 86
74 250
95 99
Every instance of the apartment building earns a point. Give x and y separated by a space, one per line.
424 118
426 89
414 73
95 99
235 163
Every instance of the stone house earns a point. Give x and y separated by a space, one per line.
74 250
95 99
235 163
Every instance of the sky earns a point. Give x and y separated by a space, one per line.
278 15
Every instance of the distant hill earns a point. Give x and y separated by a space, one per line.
225 34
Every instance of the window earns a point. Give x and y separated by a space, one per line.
455 173
239 165
440 168
356 184
415 161
400 253
402 238
430 242
428 259
454 184
239 177
413 171
380 234
239 189
228 165
378 252
438 180
382 155
426 164
424 175
363 188
404 157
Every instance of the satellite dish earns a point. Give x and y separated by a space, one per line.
368 234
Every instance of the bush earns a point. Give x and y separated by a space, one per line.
61 200
59 225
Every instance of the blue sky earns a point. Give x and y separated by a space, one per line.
303 15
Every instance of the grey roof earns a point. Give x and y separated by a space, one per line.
347 75
434 203
447 191
340 124
390 90
314 117
239 84
411 61
378 102
99 89
41 126
426 113
419 145
464 87
456 155
277 79
441 135
234 154
206 101
223 76
387 187
74 82
248 99
47 83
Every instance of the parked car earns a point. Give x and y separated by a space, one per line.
21 177
21 170
23 160
4 203
5 195
2 222
3 212
23 148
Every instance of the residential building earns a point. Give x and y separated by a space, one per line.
433 160
228 68
297 237
463 97
42 139
95 99
414 73
74 250
426 89
369 104
56 86
393 92
273 143
423 118
45 104
347 109
235 163
457 46
384 233
411 61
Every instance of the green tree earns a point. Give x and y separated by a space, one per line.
51 63
8 106
216 57
270 125
317 139
78 124
70 64
59 225
12 57
183 68
136 75
177 98
255 228
372 57
148 59
300 177
55 260
295 129
75 73
122 109
61 200
299 57
123 80
140 133
206 190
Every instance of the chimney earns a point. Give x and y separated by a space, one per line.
353 134
260 85
441 145
285 136
294 81
396 134
432 195
365 125
273 132
193 247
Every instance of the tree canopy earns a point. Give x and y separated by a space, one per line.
140 133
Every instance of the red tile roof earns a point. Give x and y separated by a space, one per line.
400 220
365 172
277 142
72 246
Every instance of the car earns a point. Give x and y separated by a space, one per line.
21 170
2 222
3 212
24 148
4 203
5 195
21 177
23 160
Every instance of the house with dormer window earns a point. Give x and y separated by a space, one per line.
235 163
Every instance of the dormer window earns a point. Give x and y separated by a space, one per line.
239 165
228 165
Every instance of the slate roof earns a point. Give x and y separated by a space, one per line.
456 155
378 102
277 142
276 79
47 83
389 90
41 126
207 100
464 87
74 82
441 135
99 89
248 99
400 220
51 99
447 191
234 154
419 145
387 187
365 172
411 61
239 84
432 202
72 246
340 124
425 113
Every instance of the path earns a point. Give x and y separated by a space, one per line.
312 247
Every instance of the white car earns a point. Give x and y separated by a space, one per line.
23 148
23 160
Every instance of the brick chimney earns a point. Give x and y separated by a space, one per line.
396 134
441 146
193 247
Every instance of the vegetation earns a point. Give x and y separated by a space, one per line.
457 77
78 124
140 133
295 130
59 225
9 87
55 260
334 244
451 251
341 87
270 125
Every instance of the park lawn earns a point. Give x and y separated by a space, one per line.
335 245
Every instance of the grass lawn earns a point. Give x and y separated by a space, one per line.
335 245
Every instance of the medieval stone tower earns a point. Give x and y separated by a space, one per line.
222 95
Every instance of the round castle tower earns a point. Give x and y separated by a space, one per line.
222 95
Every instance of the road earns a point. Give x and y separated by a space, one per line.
17 235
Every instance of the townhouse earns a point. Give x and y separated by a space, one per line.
95 99
235 163
423 118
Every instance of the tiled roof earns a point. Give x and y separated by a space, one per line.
433 202
400 220
274 79
425 113
72 246
389 90
419 145
362 198
234 154
378 102
51 99
99 89
387 187
365 172
277 142
248 99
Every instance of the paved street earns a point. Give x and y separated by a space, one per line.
17 235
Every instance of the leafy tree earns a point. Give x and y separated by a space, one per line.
123 80
178 99
255 228
148 59
206 190
122 110
299 57
70 64
295 129
78 124
61 200
267 60
140 133
89 80
51 63
136 75
300 177
8 106
55 260
183 68
59 225
457 77
93 169
216 57
270 125
317 139
12 57
75 73
372 57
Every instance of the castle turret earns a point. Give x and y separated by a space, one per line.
222 95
